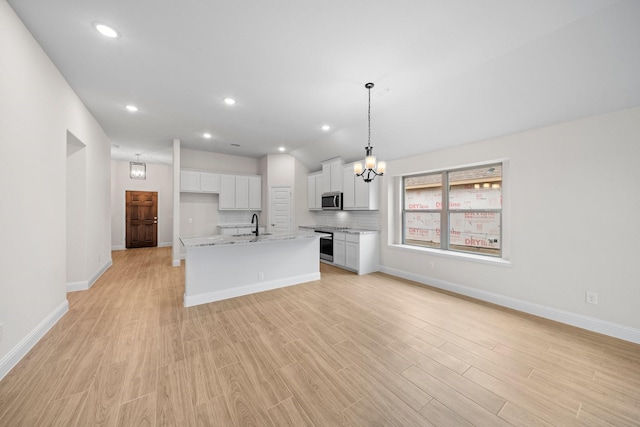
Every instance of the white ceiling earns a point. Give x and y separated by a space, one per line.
451 72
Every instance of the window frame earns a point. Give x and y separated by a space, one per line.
446 211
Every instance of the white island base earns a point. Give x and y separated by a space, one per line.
220 271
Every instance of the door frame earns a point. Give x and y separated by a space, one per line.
291 205
124 215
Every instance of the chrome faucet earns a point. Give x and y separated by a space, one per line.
255 216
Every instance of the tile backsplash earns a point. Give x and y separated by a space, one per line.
368 220
235 217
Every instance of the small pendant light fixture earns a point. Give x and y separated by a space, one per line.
372 168
137 170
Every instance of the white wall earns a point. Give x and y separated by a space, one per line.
574 223
284 170
159 179
37 110
281 170
76 210
216 162
302 214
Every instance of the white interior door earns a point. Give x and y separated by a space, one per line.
280 210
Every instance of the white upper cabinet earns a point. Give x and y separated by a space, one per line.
240 192
209 182
314 191
199 182
348 189
332 175
227 192
189 181
255 193
358 194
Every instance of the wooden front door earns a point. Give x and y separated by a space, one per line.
142 219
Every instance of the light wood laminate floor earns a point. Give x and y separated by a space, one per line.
347 350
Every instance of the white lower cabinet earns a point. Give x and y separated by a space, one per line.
356 251
339 249
352 251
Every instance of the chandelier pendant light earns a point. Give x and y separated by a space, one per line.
372 167
137 170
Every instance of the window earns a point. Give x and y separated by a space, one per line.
469 210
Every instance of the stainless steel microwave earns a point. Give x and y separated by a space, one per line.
332 201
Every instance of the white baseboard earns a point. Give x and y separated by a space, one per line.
14 356
122 248
589 323
86 284
78 286
248 289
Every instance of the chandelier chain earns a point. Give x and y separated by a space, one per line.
369 117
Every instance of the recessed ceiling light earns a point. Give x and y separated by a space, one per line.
229 101
281 149
326 127
105 30
132 108
206 135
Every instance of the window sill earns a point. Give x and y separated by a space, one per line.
461 256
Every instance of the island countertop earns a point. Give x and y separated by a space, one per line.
227 266
192 242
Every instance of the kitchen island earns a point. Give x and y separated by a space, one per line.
222 266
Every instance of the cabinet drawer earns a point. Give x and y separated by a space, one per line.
339 236
354 238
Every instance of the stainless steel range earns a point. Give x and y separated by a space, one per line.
326 242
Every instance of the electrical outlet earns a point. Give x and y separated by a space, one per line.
261 276
592 298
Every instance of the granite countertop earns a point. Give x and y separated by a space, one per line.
332 229
191 242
